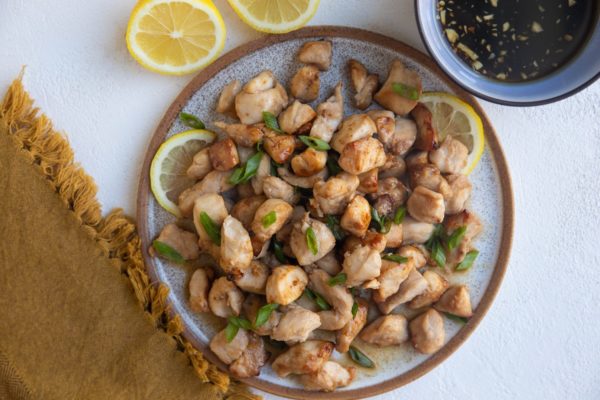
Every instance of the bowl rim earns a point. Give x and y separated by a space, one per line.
315 32
487 97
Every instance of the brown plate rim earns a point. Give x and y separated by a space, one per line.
492 142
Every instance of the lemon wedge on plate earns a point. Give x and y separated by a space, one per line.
168 176
175 37
275 16
452 116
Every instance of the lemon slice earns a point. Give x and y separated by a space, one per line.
454 117
168 169
175 37
275 16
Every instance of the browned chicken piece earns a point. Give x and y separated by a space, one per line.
393 101
228 352
261 93
183 242
223 155
332 197
387 330
427 136
355 127
214 206
286 284
295 116
317 53
361 265
250 309
254 278
451 156
474 228
305 83
279 147
199 286
303 358
357 216
242 135
427 332
414 253
416 232
244 190
365 84
252 359
459 193
245 209
303 182
298 240
329 116
410 288
224 298
277 188
436 286
375 240
270 217
457 301
309 162
394 167
345 336
368 181
391 194
329 263
201 165
405 134
385 123
362 155
263 172
391 277
226 102
236 248
296 324
429 176
426 205
213 182
395 236
330 377
338 297
260 247
416 158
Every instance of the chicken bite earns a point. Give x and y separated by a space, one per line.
296 324
200 166
429 176
458 194
250 308
368 181
214 206
199 286
223 155
295 116
213 182
224 298
457 301
279 147
355 127
365 84
387 330
391 194
329 116
416 232
236 247
395 236
427 332
270 217
451 156
375 240
254 278
243 135
183 242
305 83
306 182
252 359
427 137
226 102
329 263
337 297
226 351
389 99
332 196
415 254
331 376
245 209
350 331
403 138
362 155
303 358
276 188
473 227
391 277
357 216
425 205
361 265
436 286
262 93
309 162
317 53
286 284
325 241
410 288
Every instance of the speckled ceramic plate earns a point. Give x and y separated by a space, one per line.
492 197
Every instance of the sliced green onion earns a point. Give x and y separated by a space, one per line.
456 318
338 279
264 313
240 322
405 91
438 255
231 331
318 299
168 252
333 223
468 261
270 121
269 219
354 309
314 142
311 241
399 215
243 173
211 229
191 120
395 258
456 237
278 251
360 358
332 165
384 224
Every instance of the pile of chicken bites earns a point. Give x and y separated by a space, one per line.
326 230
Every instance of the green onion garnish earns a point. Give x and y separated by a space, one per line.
243 173
191 120
168 252
395 258
456 237
264 313
318 299
311 241
338 279
314 142
468 261
360 358
269 219
405 91
211 229
399 215
271 121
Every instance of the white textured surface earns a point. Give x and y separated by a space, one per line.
541 338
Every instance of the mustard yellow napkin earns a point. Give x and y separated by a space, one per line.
79 318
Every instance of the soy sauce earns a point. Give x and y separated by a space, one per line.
516 40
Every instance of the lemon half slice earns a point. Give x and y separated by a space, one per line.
275 16
168 169
452 116
175 37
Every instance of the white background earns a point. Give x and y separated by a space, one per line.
541 338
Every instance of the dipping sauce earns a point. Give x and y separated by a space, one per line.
516 40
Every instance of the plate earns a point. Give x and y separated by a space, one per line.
492 197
